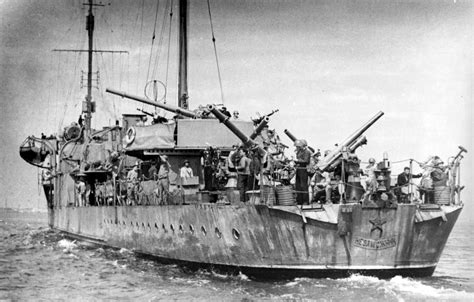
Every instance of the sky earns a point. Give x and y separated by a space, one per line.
328 66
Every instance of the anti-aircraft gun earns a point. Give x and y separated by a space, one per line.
334 159
351 143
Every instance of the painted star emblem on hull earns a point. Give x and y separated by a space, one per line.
377 225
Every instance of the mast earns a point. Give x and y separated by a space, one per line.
183 54
88 104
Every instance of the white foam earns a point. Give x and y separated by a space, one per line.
399 285
67 245
243 277
124 251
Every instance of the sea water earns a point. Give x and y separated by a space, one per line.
40 264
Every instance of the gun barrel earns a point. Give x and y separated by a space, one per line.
225 120
259 128
362 140
290 135
293 139
167 107
335 154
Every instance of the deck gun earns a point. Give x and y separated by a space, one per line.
353 142
171 108
246 141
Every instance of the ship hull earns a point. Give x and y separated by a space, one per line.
272 242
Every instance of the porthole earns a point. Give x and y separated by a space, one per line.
123 222
164 228
156 226
203 230
191 229
181 229
137 225
172 228
218 233
143 225
131 223
235 234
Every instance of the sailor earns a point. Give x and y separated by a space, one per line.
46 180
153 170
80 191
163 180
370 182
303 156
109 190
433 175
235 115
225 111
403 182
158 119
243 174
132 184
142 121
186 171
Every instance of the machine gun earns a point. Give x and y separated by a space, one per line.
171 108
156 118
145 112
350 144
260 119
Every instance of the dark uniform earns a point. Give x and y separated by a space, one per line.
303 157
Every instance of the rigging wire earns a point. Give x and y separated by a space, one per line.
140 42
160 42
168 54
215 51
153 40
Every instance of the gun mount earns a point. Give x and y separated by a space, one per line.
259 128
171 108
246 141
351 143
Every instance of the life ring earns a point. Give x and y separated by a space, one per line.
130 136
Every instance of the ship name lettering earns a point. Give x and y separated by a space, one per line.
383 243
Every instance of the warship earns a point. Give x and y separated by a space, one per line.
123 187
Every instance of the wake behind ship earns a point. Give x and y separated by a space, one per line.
208 189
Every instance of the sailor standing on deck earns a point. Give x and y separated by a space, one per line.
163 180
243 174
186 171
403 183
303 156
132 185
81 190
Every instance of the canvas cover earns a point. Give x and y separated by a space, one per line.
153 137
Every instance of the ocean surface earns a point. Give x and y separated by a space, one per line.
39 264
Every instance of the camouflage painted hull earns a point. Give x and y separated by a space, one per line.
273 242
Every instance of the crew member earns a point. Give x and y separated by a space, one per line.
163 180
243 174
403 182
186 171
81 191
303 156
235 115
370 182
132 184
46 180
